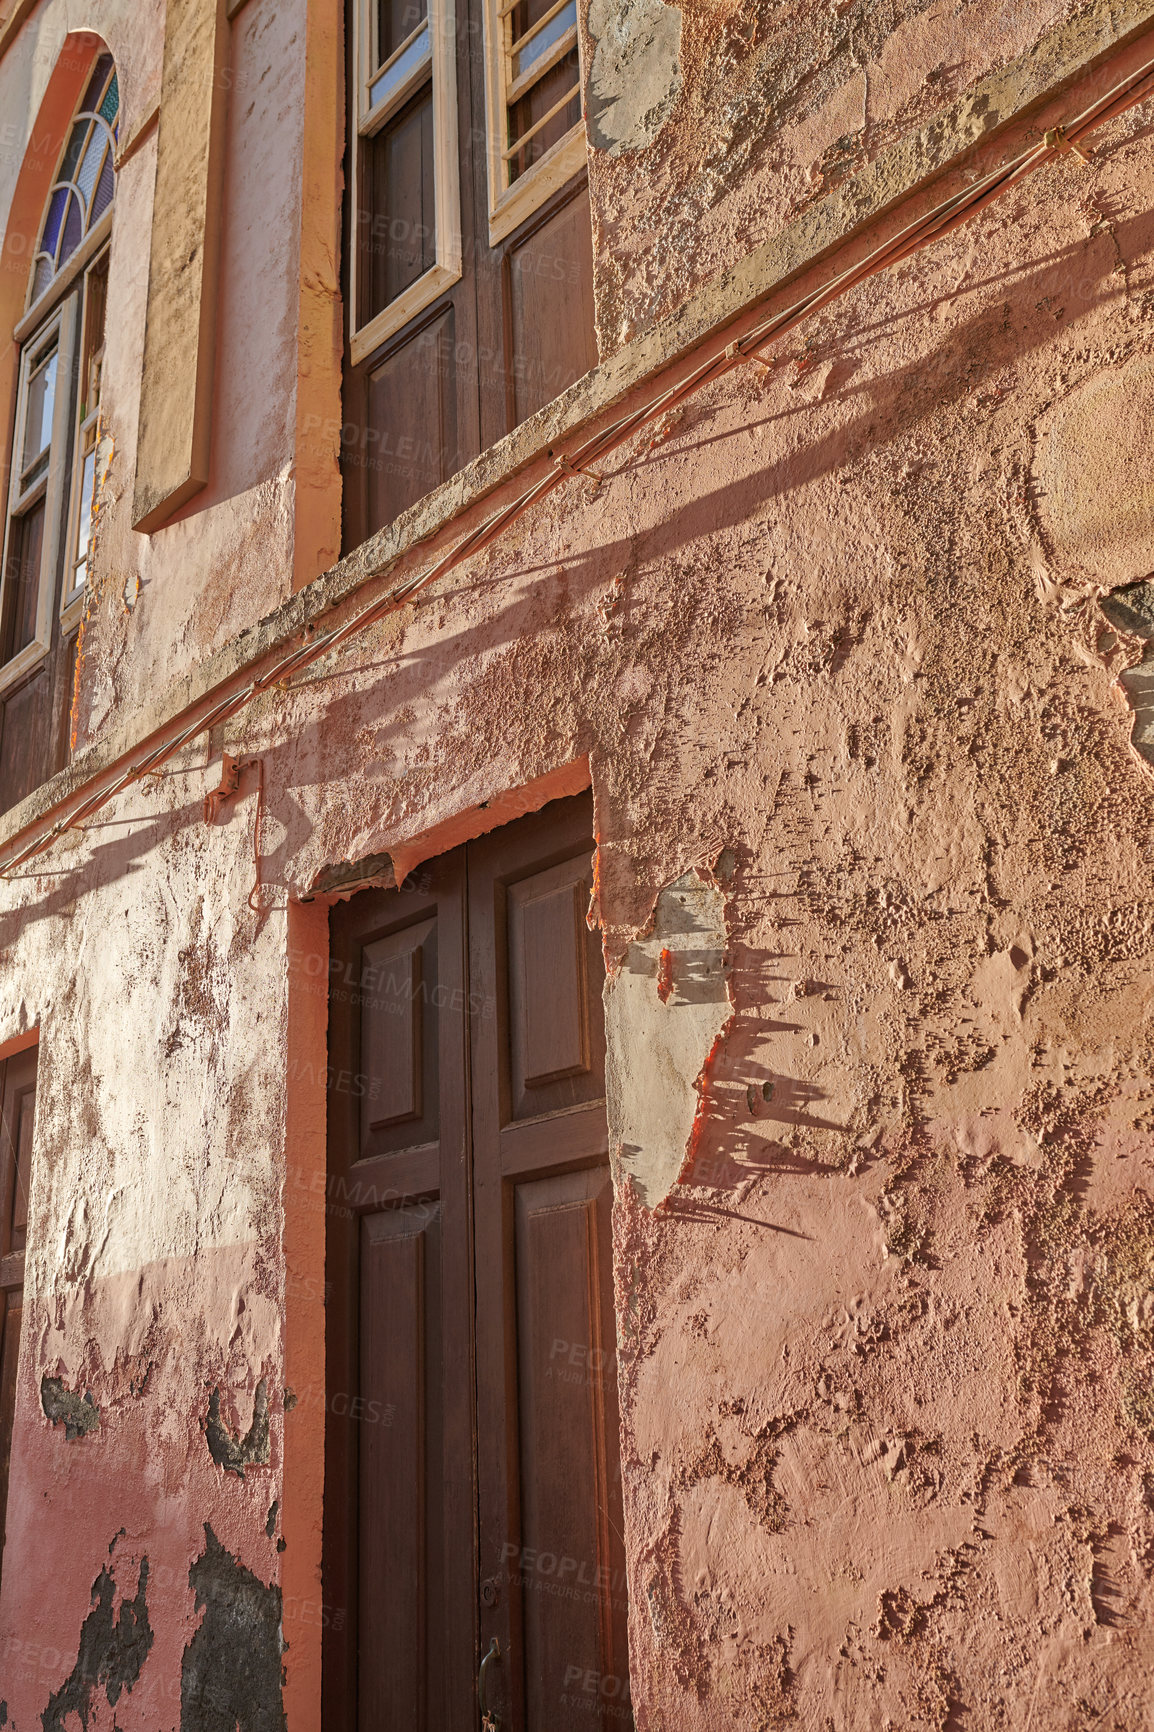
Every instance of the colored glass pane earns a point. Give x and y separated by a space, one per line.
96 84
88 164
45 269
73 229
90 167
73 153
54 219
104 189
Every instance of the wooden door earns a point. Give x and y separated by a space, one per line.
399 1534
472 1486
17 1112
550 1545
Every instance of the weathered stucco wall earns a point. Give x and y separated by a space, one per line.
162 600
711 126
830 643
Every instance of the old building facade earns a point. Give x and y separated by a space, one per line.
576 831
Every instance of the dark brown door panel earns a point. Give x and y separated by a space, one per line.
476 1497
17 1119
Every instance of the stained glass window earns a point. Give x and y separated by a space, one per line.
84 185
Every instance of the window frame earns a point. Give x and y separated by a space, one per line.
62 322
510 204
438 67
71 595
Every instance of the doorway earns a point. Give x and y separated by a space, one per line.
473 1532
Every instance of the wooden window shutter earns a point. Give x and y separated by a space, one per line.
173 442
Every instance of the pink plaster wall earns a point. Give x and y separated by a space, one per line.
771 108
887 1353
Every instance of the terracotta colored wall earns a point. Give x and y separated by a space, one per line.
717 123
887 1351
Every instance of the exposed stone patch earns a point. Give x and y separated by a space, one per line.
636 75
375 871
230 1676
112 1652
664 1011
1094 474
233 1452
78 1413
1131 609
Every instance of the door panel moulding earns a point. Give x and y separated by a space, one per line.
1105 50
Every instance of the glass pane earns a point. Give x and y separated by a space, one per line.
87 477
90 167
104 188
95 301
87 164
539 45
96 83
398 228
22 581
38 413
43 276
110 107
396 19
404 65
536 102
54 219
73 229
75 147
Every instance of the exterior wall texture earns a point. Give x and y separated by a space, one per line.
827 643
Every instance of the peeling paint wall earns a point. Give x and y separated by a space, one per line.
874 877
665 1009
712 125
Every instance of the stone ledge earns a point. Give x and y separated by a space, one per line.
945 144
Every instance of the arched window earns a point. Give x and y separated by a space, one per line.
53 474
84 185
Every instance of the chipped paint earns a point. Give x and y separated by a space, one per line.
665 1007
635 77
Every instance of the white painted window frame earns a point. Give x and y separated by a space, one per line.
63 322
72 597
511 203
441 65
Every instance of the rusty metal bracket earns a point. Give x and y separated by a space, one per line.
229 785
1057 140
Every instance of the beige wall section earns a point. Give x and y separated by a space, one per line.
173 443
317 531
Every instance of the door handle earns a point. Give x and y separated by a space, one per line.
490 1722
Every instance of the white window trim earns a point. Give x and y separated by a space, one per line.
71 600
446 170
510 205
64 321
96 238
